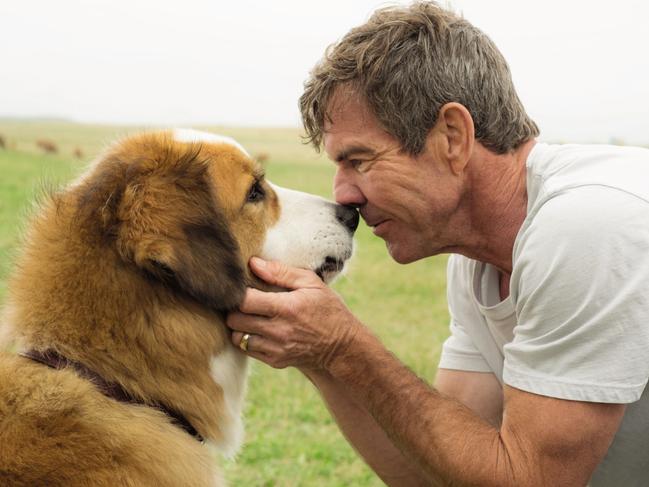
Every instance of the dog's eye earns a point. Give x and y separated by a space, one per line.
256 193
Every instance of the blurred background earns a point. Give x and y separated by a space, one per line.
580 66
77 74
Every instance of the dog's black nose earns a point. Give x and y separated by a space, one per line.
348 216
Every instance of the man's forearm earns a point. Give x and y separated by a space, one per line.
448 442
542 441
366 436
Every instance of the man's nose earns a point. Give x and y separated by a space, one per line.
346 192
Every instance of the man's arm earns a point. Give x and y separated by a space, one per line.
481 392
542 441
366 436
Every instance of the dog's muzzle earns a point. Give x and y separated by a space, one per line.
348 216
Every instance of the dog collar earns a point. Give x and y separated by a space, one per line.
113 390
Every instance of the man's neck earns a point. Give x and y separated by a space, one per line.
498 205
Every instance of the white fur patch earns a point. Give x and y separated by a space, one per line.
307 231
192 136
229 370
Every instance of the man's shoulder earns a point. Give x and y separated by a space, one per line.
598 217
555 169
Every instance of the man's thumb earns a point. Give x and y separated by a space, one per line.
279 274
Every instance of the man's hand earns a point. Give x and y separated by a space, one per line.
425 436
304 327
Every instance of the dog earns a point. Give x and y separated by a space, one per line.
124 373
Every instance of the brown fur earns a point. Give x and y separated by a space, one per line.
47 146
129 272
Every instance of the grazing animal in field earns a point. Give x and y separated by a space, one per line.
47 146
262 157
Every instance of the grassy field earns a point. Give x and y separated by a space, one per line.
291 440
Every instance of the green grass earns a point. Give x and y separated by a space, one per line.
291 439
24 175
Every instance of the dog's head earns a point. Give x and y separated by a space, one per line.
189 209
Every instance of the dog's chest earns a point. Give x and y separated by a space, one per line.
229 370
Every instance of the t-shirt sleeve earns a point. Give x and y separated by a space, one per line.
580 287
459 352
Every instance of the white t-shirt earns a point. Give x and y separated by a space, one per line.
576 323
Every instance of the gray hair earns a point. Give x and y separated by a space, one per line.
407 63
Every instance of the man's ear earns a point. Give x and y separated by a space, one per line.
455 124
202 260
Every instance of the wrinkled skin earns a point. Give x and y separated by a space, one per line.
288 329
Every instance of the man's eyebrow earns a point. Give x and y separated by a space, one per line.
353 151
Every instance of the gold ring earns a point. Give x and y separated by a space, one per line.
243 344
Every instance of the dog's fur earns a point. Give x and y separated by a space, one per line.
130 271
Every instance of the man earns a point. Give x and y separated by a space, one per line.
542 381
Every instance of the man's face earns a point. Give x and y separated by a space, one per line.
409 201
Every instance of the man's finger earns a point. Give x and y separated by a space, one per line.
279 274
262 357
256 302
257 344
247 323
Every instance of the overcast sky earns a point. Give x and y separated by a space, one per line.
581 67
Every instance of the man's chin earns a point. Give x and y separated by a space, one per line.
400 254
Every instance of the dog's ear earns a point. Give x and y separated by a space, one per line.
159 213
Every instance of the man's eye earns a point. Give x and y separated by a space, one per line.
256 193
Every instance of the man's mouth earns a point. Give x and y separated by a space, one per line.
376 225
